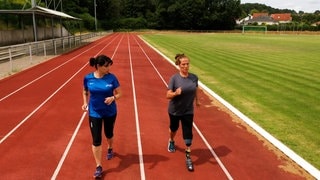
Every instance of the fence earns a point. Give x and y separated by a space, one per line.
17 57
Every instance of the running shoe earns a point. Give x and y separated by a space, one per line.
171 147
110 154
98 172
189 164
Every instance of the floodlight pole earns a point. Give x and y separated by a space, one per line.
95 14
33 3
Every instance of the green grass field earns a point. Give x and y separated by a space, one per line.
272 79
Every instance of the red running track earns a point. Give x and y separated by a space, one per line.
45 134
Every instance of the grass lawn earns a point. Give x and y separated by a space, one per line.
272 79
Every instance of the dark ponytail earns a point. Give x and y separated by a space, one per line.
92 62
100 60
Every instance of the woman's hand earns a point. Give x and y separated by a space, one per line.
178 91
198 104
85 107
109 100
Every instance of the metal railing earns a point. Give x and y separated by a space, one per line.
10 55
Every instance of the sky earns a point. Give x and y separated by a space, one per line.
308 6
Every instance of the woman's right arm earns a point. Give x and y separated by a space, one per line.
85 96
171 94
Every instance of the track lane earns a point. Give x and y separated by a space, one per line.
154 123
126 161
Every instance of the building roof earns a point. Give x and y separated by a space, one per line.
262 19
42 11
255 15
282 17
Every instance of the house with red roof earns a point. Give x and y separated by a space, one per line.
282 18
266 19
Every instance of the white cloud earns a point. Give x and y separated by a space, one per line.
297 5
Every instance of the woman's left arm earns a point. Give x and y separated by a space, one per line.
197 97
117 93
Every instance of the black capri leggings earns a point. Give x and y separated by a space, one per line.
96 128
186 123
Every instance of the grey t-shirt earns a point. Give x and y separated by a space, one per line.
182 104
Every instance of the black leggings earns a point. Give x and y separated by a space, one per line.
186 122
96 128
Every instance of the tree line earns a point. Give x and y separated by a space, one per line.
156 14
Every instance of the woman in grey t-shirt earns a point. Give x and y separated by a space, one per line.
182 92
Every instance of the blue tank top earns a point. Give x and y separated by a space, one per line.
99 89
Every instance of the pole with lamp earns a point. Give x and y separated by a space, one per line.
95 14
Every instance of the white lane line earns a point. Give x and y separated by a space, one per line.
213 153
194 125
57 67
54 176
117 47
142 172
